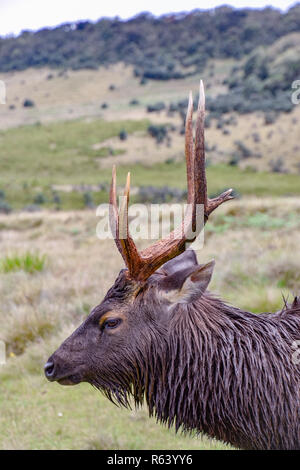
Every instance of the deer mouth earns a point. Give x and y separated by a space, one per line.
69 380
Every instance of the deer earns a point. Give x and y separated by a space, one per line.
160 338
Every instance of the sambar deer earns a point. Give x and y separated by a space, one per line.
159 336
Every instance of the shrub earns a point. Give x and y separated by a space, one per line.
134 102
156 107
158 132
277 165
5 208
40 199
159 195
88 200
56 199
28 103
207 122
31 208
270 118
234 160
220 124
256 137
123 135
243 151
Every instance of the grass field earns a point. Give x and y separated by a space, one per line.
35 160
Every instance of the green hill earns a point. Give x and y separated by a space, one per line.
170 46
176 46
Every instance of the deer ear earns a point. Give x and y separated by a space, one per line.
188 285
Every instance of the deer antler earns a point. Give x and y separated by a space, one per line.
142 265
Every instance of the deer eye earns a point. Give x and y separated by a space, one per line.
111 323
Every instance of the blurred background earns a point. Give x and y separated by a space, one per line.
88 86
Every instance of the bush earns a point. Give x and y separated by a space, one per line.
220 124
31 208
158 132
234 101
40 199
157 195
123 135
88 200
134 102
256 137
207 122
5 208
234 160
270 118
156 107
277 166
28 103
243 151
56 199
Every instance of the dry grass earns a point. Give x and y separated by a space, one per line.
81 93
254 267
278 140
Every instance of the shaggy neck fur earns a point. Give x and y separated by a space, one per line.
228 374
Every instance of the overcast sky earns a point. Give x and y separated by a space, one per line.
16 15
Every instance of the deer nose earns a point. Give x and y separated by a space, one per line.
49 369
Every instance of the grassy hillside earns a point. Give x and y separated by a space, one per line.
68 164
44 150
176 47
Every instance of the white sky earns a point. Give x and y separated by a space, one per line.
16 15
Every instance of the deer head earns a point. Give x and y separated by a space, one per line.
119 347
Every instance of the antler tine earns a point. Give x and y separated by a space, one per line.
189 150
113 208
119 220
199 170
200 174
217 201
123 215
